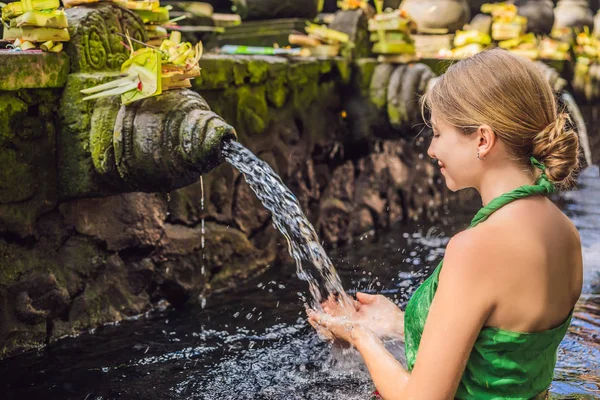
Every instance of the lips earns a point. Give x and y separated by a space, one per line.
442 166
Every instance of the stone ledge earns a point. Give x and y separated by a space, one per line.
33 70
224 71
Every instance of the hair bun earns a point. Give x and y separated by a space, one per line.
557 146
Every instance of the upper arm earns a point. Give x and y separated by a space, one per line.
461 306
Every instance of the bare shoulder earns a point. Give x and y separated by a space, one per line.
466 272
467 253
534 214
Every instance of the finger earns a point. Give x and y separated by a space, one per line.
312 314
330 300
323 333
365 298
317 317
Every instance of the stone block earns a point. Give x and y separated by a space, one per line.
33 70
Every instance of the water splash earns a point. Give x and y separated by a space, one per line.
312 263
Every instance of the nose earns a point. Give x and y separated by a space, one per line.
431 149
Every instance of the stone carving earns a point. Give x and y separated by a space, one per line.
160 143
94 44
395 91
354 23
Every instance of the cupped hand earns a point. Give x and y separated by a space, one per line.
381 315
375 313
340 327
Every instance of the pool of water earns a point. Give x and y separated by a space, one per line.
256 344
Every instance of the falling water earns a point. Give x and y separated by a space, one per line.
580 123
202 240
202 227
288 218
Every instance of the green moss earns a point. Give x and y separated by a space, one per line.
363 73
16 261
304 72
344 70
277 85
397 114
101 133
76 171
216 73
27 158
252 109
304 95
16 177
277 92
250 70
33 70
10 107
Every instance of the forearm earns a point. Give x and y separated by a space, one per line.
389 376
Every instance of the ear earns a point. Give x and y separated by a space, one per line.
486 140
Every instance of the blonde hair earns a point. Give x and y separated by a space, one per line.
509 94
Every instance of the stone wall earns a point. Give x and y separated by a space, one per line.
70 262
76 252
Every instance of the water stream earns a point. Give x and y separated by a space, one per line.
312 263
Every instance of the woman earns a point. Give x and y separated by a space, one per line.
486 324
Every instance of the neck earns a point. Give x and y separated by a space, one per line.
498 181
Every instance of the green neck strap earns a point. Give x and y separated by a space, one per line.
542 187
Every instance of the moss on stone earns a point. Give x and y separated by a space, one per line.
252 71
397 115
251 91
10 107
277 91
16 177
16 261
101 134
94 46
216 73
27 158
252 109
363 73
305 71
76 172
25 70
344 70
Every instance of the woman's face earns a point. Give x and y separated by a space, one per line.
456 154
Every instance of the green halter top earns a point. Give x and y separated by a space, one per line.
502 364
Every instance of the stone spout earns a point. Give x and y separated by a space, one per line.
161 143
